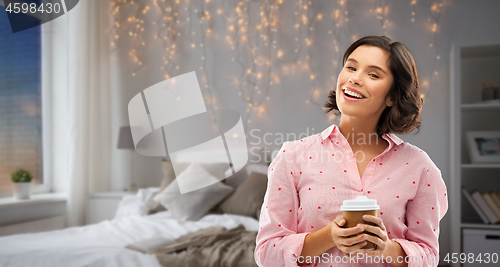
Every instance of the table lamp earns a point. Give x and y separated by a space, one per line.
125 141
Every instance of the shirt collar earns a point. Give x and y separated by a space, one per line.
333 129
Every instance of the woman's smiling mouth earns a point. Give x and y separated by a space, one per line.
352 94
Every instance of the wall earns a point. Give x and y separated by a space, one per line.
286 111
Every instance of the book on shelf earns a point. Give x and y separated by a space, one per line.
162 245
478 198
491 204
495 198
475 206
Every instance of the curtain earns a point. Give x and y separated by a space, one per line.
88 105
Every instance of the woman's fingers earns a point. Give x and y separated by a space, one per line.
339 221
376 220
353 248
347 232
352 244
375 240
374 230
350 241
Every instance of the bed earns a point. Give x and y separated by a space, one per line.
141 217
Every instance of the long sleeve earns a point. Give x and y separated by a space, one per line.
278 243
423 214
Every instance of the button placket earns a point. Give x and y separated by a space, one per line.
351 165
373 163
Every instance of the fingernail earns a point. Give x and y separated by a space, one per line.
365 217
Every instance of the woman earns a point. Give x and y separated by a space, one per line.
301 223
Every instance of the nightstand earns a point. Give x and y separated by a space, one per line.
103 205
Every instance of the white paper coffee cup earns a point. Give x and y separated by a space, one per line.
353 211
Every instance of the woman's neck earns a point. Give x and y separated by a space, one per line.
360 134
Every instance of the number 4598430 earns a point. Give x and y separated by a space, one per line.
471 258
33 8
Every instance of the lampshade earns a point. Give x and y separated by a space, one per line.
125 140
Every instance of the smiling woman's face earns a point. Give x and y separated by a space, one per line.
366 73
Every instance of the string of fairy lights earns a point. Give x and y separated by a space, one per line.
436 9
251 32
382 10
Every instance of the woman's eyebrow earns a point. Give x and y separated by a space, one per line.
370 66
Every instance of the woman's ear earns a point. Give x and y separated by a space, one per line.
388 101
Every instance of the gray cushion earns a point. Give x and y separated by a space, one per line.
248 198
235 180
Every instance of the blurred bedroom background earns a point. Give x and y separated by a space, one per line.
67 83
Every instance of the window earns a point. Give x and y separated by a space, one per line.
20 103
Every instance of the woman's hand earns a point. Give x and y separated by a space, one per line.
348 240
381 240
385 248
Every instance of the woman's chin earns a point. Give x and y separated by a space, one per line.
350 113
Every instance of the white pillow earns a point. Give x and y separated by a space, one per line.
217 169
195 204
138 204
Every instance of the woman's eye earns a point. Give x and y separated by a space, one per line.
352 68
373 75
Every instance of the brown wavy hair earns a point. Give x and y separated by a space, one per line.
404 115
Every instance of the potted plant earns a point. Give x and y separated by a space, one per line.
22 180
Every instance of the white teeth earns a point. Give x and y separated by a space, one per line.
351 93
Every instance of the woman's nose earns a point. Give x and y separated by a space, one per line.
355 80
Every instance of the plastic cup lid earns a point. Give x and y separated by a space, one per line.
360 203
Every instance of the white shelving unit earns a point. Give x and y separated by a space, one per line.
471 65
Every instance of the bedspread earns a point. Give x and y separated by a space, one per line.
221 248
